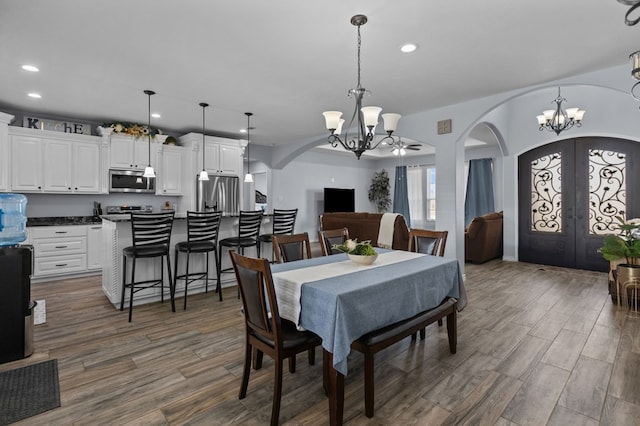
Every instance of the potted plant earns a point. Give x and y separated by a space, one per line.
625 244
379 191
622 250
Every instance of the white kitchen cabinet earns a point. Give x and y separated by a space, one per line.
26 164
94 247
71 167
171 170
222 159
56 162
58 250
131 153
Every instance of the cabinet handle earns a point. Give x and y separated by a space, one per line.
61 246
96 227
60 264
61 232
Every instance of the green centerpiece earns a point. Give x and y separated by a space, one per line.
362 253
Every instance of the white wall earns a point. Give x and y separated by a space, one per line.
300 184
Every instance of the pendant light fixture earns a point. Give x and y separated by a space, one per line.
203 174
148 171
248 177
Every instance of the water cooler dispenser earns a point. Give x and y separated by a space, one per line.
16 267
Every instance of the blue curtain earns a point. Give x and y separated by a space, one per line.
401 195
479 199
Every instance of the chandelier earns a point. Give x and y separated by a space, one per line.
635 72
366 118
556 120
627 17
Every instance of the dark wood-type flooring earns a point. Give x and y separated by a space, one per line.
537 345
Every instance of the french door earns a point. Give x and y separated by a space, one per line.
569 193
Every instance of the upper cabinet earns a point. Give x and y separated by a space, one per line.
56 162
221 156
129 153
223 159
171 169
26 164
71 167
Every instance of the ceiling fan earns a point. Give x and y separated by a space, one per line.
400 147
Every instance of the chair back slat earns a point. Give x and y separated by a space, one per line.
284 221
289 248
203 226
330 237
151 228
427 241
249 224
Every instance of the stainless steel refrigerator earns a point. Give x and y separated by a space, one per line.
219 193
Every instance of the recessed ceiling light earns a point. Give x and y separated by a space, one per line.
243 130
155 115
408 48
35 95
31 68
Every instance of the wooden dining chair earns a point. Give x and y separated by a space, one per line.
330 237
265 331
288 248
428 242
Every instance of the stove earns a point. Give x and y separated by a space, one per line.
129 209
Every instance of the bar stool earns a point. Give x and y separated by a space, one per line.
202 237
248 230
283 223
151 235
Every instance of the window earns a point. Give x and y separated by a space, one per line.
421 188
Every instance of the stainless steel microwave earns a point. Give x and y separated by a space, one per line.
130 181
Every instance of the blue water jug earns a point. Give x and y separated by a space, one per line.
13 219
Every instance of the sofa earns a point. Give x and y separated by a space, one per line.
366 226
483 238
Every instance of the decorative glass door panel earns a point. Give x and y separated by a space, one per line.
546 193
607 190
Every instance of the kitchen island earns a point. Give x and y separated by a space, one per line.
116 235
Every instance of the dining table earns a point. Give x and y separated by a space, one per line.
341 300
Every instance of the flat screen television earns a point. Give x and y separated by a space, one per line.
339 200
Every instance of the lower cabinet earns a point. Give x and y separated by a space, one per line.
94 247
65 250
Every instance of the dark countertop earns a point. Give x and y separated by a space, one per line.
64 220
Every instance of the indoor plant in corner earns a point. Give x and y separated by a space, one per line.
625 244
380 191
622 250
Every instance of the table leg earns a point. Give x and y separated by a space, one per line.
335 383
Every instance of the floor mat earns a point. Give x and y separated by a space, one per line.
27 391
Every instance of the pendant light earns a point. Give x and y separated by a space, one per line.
248 177
148 171
203 174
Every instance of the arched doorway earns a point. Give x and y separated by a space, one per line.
569 193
